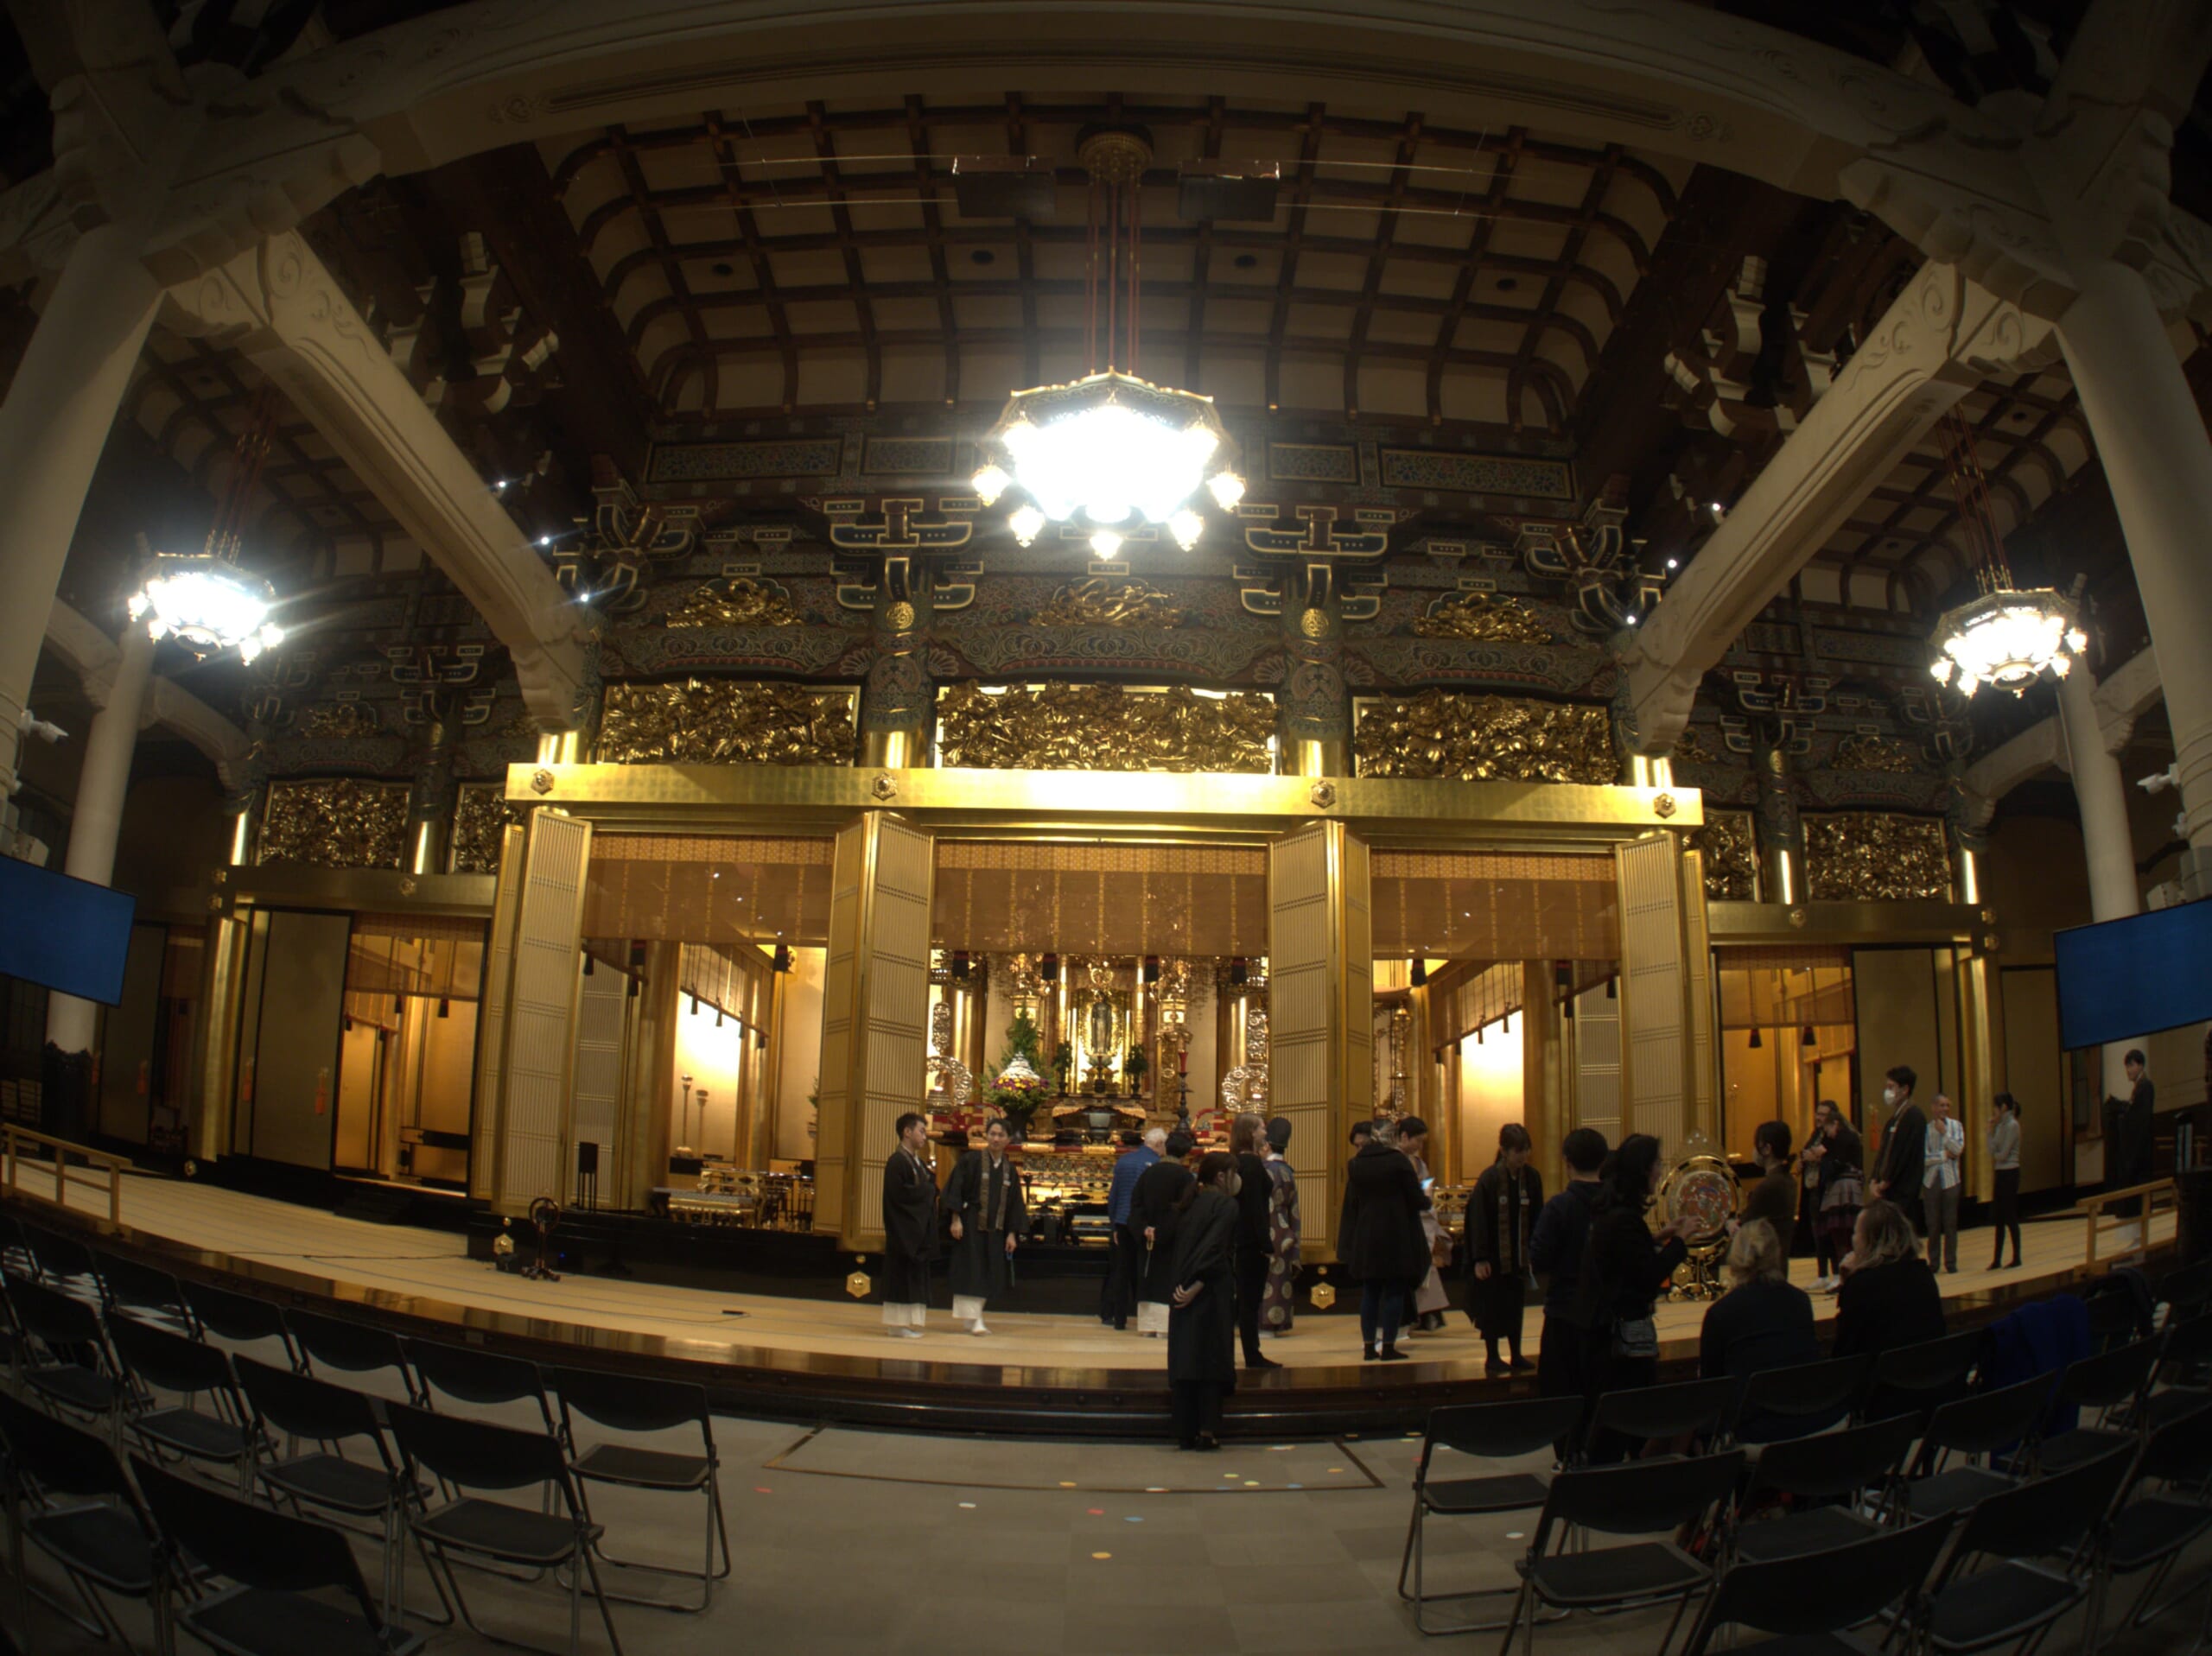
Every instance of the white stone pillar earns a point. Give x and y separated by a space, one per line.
52 427
2158 458
105 779
2106 839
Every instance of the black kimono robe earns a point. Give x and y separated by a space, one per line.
1500 1216
1202 1336
1159 1188
987 1199
909 1229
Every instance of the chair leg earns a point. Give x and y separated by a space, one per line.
1405 1557
721 1521
1513 1621
605 1610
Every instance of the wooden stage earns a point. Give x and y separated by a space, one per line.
817 1359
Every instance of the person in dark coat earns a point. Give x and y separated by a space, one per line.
1835 1189
2137 1151
1904 1144
1774 1198
1626 1265
1152 1215
1889 1297
1556 1255
988 1218
1201 1329
1763 1322
1500 1217
1255 1242
1119 1293
1380 1240
909 1230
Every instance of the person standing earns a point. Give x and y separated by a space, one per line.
1380 1239
1904 1143
2004 1171
1840 1191
1247 1140
987 1219
2139 1129
1201 1329
1500 1217
1889 1297
1946 1142
1152 1207
1426 1307
1278 1304
909 1230
1625 1264
1119 1296
1555 1254
1774 1198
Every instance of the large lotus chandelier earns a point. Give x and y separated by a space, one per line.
203 600
2004 637
1116 452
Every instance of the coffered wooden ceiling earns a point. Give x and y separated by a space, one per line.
811 259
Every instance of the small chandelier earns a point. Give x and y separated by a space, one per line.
1114 450
2003 636
203 600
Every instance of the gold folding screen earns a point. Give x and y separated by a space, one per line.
533 1128
1665 1004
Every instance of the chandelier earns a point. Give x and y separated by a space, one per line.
2003 636
1116 452
203 600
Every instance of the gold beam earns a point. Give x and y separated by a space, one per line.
1898 922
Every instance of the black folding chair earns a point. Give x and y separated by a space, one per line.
350 1347
482 1379
1691 1409
159 1360
127 1285
2013 1601
1806 1595
1488 1432
2186 1292
15 1249
1980 1427
2150 1531
1780 1404
2183 1357
1655 1497
308 1410
1827 1478
274 1561
88 1518
2113 1381
63 1262
1920 1378
80 1376
625 1404
239 1318
473 1456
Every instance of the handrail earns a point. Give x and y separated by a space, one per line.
15 1139
2092 1208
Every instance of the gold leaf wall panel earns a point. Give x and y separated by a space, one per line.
724 721
1445 734
1099 602
1481 905
1864 856
1063 726
1119 900
338 824
707 888
480 816
1731 856
740 602
1484 617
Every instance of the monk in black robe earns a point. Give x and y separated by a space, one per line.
1500 1216
909 1230
1151 1217
988 1218
1202 1327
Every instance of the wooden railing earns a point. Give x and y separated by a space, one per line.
2093 1209
18 1168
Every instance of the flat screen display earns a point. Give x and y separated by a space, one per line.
65 934
2134 977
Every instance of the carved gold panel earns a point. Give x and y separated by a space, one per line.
1731 856
1484 617
1449 735
335 824
480 816
1872 750
722 721
1860 856
1099 602
739 602
1062 726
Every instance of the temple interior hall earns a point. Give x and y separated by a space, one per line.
799 807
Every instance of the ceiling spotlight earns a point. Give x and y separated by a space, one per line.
545 540
1674 563
1631 620
501 487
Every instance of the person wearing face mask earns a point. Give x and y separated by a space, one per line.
1202 1326
1904 1143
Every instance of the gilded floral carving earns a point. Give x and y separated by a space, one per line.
1443 734
1099 602
740 602
1061 726
339 721
1869 750
337 824
724 721
1484 617
1691 748
481 816
1861 856
1731 856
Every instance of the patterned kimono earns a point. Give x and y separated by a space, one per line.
1276 1304
1499 1217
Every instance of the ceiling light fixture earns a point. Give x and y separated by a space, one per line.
1110 449
2003 637
203 600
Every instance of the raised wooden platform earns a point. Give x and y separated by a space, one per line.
817 1360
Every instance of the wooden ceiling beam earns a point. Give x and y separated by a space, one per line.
1378 262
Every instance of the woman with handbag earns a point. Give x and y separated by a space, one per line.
1626 1265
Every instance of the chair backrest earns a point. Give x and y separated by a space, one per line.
1696 1407
483 1378
1804 1398
476 1456
624 1403
336 1342
2180 1451
2046 1515
51 1316
2185 1291
1641 1497
235 1316
1921 1376
171 1362
255 1546
1822 1592
2110 1377
1833 1464
1502 1430
2112 1317
57 1256
61 1459
301 1406
2189 1341
1987 1421
127 1283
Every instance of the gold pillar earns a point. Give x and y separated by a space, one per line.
1978 1078
1646 771
532 1139
875 997
1542 1102
645 1130
766 1126
1699 1013
492 1016
1657 1032
894 750
1321 1018
1304 756
560 747
214 1037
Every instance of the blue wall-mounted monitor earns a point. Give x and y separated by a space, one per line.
67 935
2124 979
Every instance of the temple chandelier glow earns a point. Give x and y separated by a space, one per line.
2008 638
207 605
1113 450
